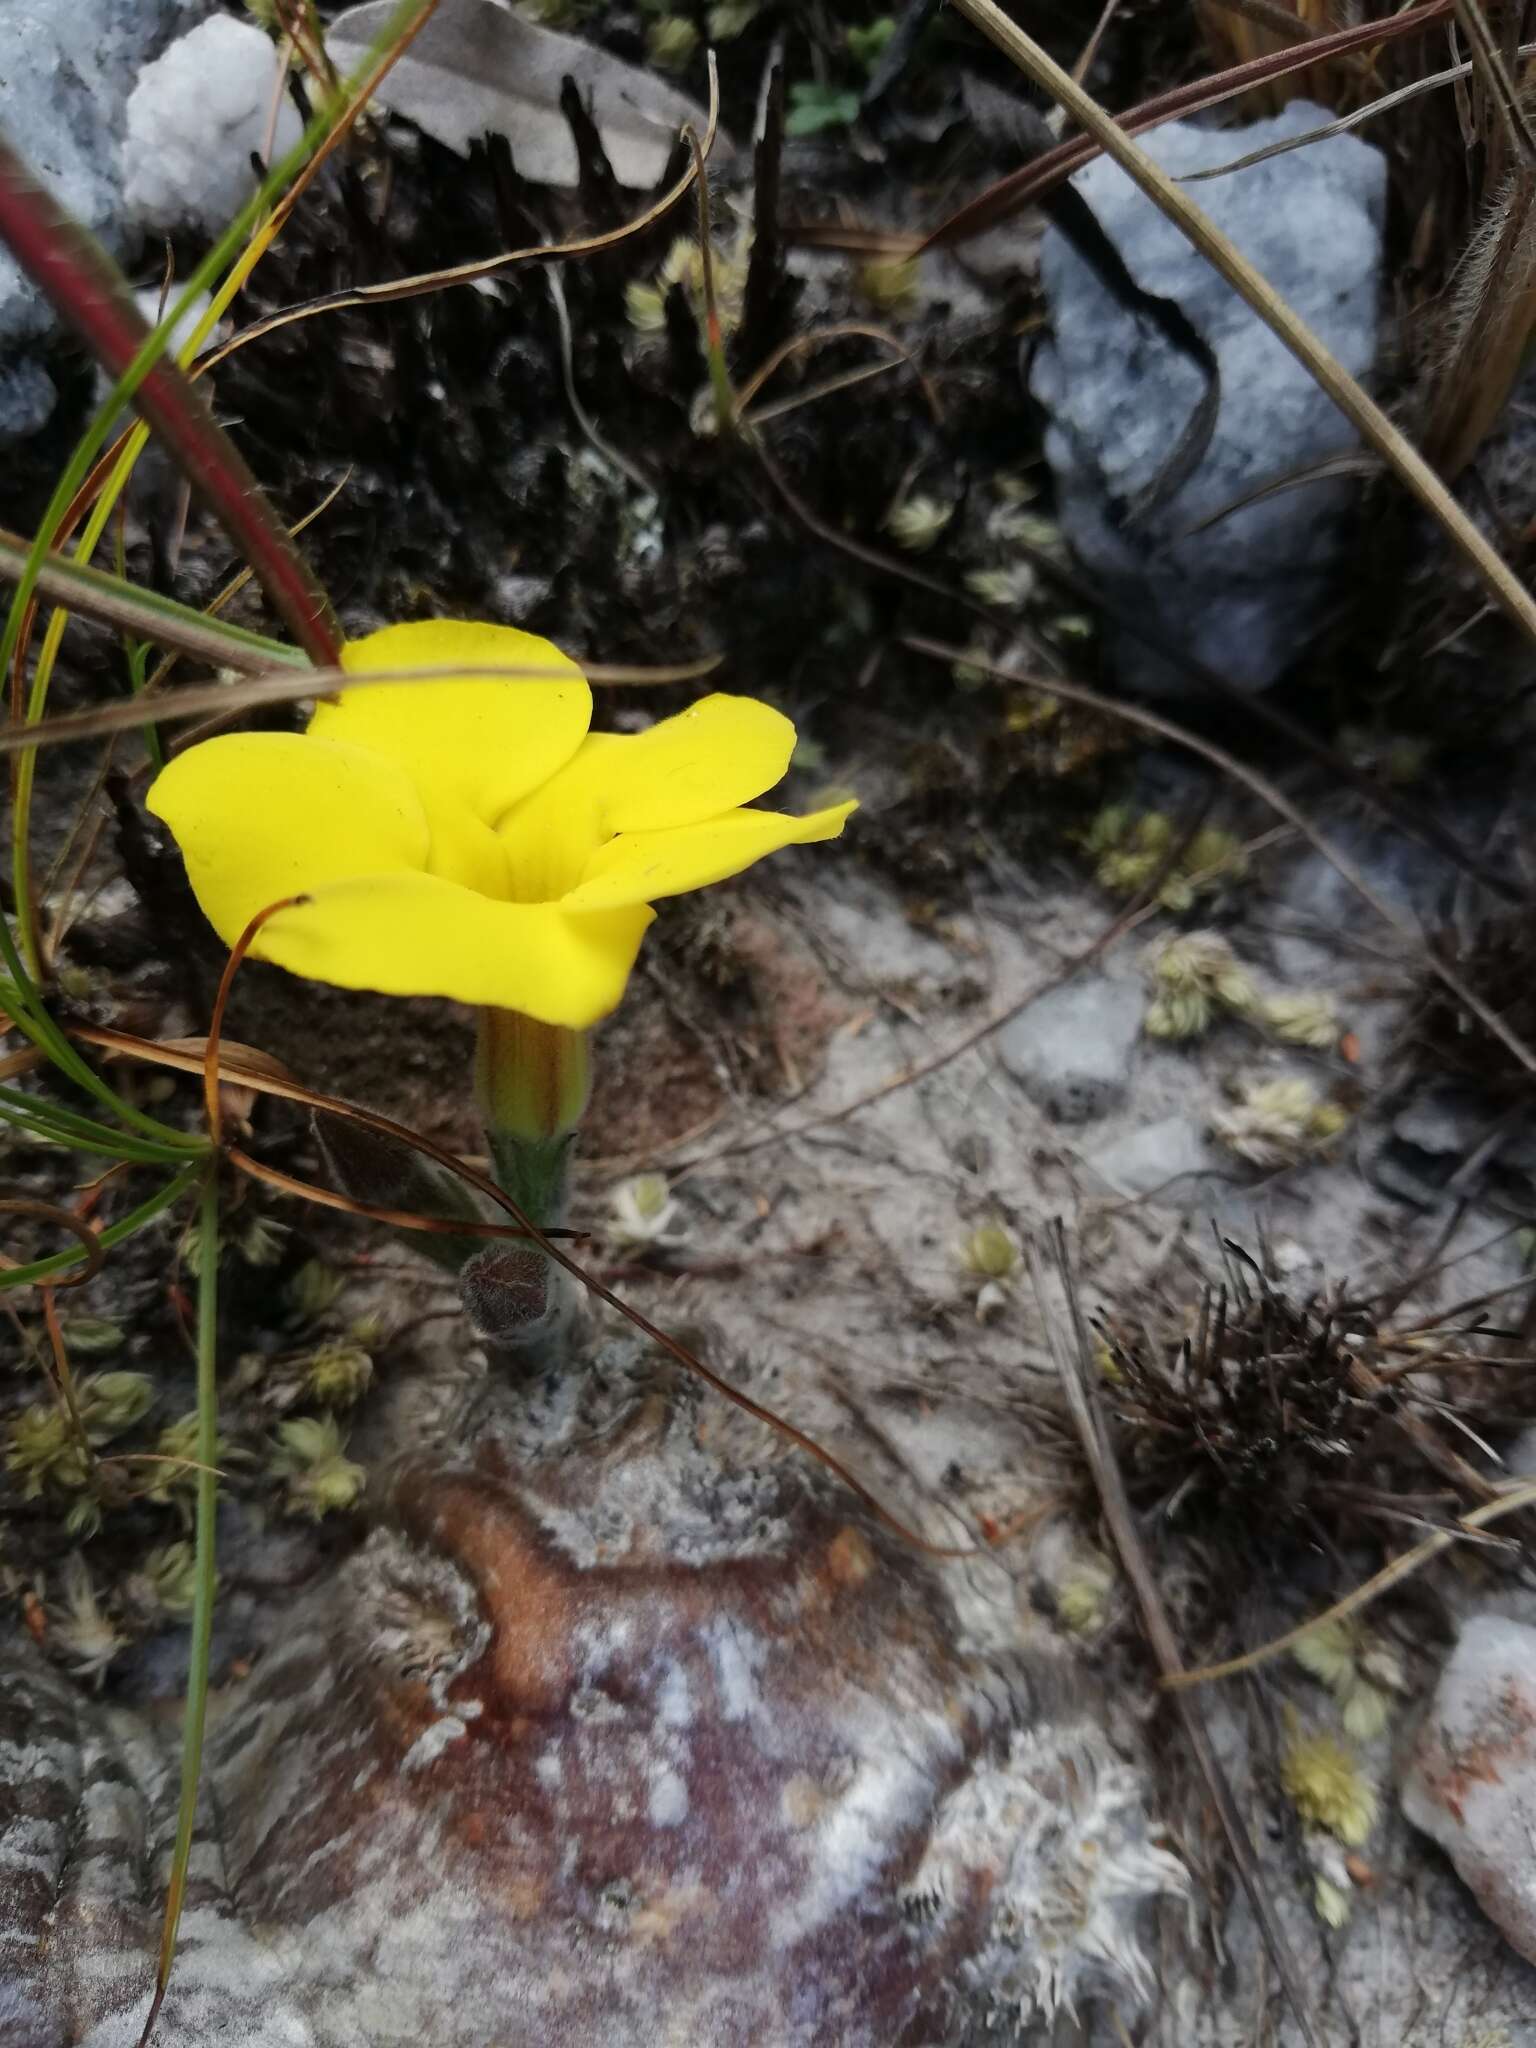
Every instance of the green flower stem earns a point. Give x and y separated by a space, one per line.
206 1584
535 1172
531 1083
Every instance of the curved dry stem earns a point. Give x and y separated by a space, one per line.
66 1219
212 1106
1380 1582
487 266
845 330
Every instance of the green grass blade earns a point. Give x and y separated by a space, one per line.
114 601
65 1127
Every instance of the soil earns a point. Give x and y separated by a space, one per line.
764 1055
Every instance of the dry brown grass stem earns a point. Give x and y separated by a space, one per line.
1237 31
288 686
66 1219
1498 88
1071 1353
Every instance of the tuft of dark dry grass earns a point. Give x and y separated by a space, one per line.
1279 1429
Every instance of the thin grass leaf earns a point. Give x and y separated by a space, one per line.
113 600
1415 89
1373 424
30 1017
65 1127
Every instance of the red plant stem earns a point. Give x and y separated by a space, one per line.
85 289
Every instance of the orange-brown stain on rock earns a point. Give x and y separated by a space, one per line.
524 1896
802 1802
1452 1772
660 1918
850 1560
530 1600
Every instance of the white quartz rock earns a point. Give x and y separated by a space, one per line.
195 118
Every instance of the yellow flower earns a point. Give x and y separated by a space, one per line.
472 838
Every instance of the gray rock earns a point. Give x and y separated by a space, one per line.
1244 594
1158 1156
1443 1122
1446 1130
1472 1782
1072 1049
66 70
27 398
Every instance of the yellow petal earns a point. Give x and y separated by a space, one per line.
418 935
481 743
263 815
463 849
720 752
638 867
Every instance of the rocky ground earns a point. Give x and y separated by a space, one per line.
1057 969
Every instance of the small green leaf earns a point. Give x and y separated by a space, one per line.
814 108
866 46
